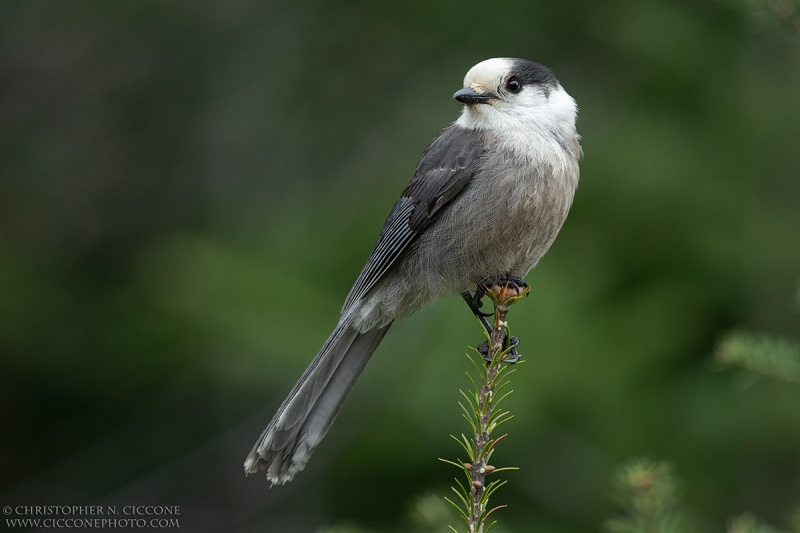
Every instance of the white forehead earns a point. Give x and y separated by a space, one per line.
487 73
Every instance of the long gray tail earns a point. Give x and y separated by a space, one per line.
307 413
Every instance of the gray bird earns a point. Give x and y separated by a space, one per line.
488 198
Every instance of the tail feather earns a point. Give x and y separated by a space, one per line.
312 405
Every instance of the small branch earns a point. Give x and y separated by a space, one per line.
648 493
480 466
484 417
502 297
760 355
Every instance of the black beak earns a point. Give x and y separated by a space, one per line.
469 96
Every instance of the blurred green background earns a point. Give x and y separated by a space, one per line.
188 190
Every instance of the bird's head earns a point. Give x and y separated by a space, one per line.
507 93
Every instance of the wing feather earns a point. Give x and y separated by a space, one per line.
446 168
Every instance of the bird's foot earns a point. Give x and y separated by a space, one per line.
497 283
503 290
511 354
494 286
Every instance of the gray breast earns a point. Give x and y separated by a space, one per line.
503 223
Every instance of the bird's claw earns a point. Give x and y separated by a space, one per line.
509 346
475 301
511 282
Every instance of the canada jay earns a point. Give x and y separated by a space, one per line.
486 202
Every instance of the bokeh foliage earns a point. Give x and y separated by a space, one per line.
189 188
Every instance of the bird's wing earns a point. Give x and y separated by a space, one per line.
445 169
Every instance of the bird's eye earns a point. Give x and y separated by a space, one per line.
514 85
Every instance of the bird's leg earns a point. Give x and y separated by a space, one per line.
475 302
